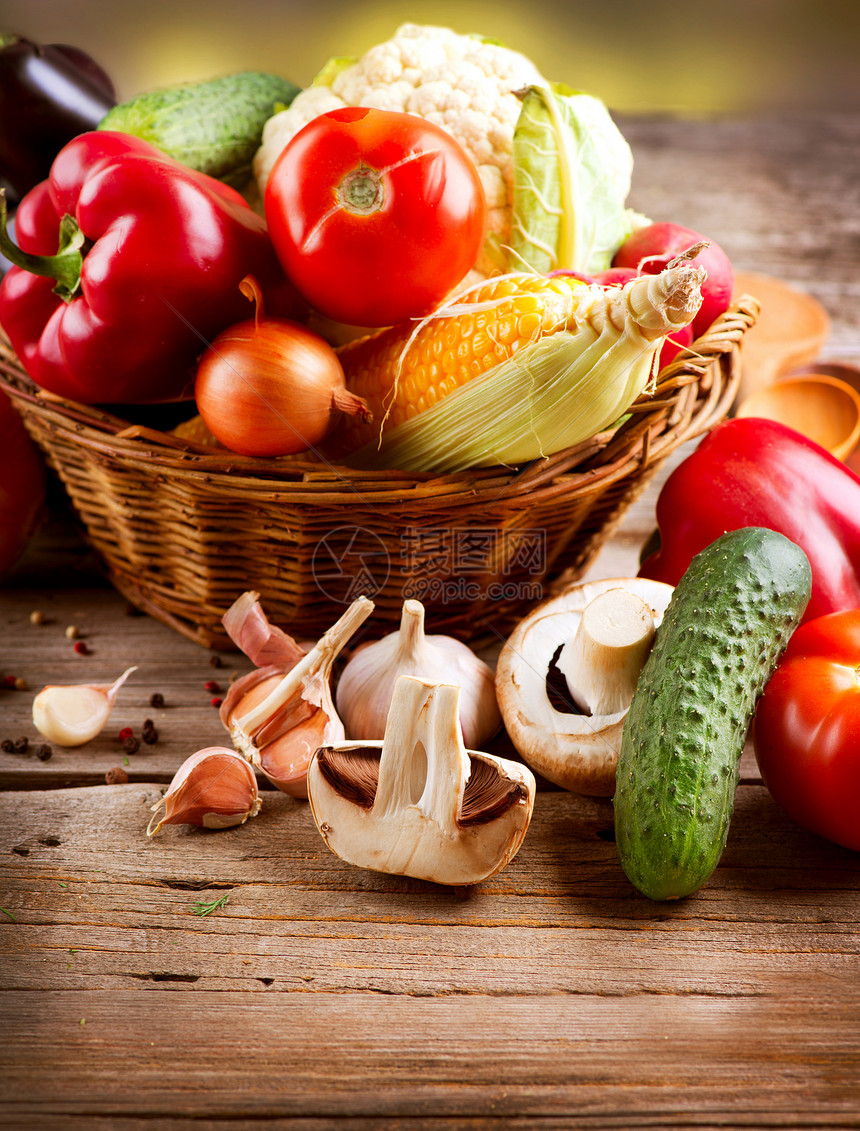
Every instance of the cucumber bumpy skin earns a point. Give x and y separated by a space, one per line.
729 619
214 127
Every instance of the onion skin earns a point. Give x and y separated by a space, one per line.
271 387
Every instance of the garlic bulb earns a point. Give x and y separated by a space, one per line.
75 714
278 718
214 789
366 687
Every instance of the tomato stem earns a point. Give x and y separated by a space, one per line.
361 192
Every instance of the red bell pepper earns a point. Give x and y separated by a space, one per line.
150 258
756 472
807 726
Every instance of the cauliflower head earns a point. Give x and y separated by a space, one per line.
461 83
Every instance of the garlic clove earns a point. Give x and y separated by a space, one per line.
418 803
74 714
250 690
285 761
263 643
214 788
277 718
366 686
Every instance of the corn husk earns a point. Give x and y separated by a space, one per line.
552 393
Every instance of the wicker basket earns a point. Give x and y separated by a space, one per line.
183 529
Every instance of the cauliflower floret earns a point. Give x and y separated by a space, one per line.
456 81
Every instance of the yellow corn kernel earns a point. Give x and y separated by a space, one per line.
406 369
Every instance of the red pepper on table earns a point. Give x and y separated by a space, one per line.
756 472
806 732
150 258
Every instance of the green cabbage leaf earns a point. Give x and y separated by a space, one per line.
572 174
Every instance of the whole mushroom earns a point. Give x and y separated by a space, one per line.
566 676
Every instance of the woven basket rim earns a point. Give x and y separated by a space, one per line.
97 429
164 513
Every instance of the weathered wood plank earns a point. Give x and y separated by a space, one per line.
680 1059
97 907
166 662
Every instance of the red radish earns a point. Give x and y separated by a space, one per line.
649 250
615 276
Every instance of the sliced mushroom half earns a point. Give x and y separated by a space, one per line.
566 676
418 803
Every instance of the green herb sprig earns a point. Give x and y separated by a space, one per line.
202 908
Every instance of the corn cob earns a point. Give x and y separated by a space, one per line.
549 393
405 370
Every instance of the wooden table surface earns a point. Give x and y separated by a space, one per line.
552 995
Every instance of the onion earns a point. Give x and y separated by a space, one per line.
271 387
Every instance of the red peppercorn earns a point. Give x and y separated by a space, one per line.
215 701
8 680
125 733
81 648
211 685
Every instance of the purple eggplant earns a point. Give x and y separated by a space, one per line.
48 95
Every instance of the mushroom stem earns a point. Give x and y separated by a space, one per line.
423 761
603 661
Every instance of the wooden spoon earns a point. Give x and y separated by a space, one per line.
823 408
790 331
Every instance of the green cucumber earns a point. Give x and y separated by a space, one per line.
727 623
214 127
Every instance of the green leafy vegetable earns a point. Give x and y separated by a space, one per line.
572 173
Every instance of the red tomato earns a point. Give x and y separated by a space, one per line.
807 728
375 216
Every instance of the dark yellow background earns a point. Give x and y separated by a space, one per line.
647 56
